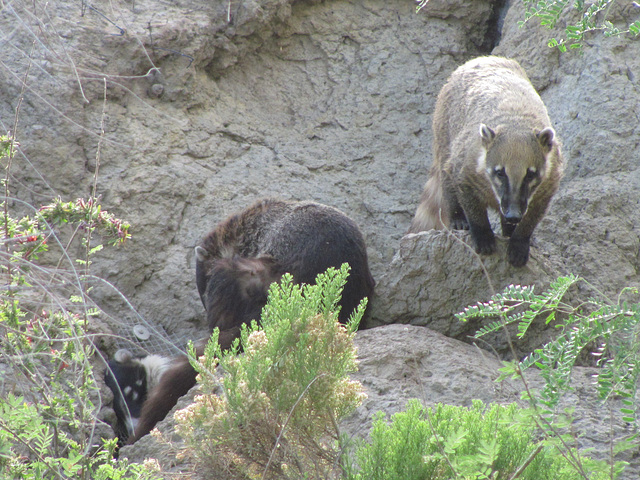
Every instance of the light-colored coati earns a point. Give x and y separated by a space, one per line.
494 147
240 258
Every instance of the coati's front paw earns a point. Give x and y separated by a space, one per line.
518 251
485 241
459 224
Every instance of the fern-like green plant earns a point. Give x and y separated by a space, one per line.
592 17
613 327
507 307
49 395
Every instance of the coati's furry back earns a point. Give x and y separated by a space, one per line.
302 238
493 147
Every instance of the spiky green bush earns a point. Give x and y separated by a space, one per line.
283 397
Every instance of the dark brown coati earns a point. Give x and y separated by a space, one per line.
242 256
493 147
302 238
175 382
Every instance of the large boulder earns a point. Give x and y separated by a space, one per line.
435 274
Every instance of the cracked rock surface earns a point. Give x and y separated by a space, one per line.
207 106
210 106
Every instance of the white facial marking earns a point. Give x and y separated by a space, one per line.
481 162
201 254
155 365
490 171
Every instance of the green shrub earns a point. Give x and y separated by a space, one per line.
589 17
49 396
447 442
613 327
283 397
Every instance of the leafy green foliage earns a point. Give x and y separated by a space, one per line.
592 17
612 327
508 307
49 396
33 447
282 398
448 442
88 215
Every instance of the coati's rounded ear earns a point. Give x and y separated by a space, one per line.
201 254
545 138
123 356
201 273
487 134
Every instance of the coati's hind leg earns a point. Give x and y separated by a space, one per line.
457 218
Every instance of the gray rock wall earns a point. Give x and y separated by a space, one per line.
327 101
212 105
206 106
209 106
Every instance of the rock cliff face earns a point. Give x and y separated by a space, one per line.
186 111
207 106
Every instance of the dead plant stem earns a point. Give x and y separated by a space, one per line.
12 141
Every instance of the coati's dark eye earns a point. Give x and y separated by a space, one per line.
531 174
500 173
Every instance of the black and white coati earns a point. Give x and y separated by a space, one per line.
493 148
242 256
130 377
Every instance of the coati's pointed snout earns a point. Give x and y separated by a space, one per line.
512 216
513 207
513 211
